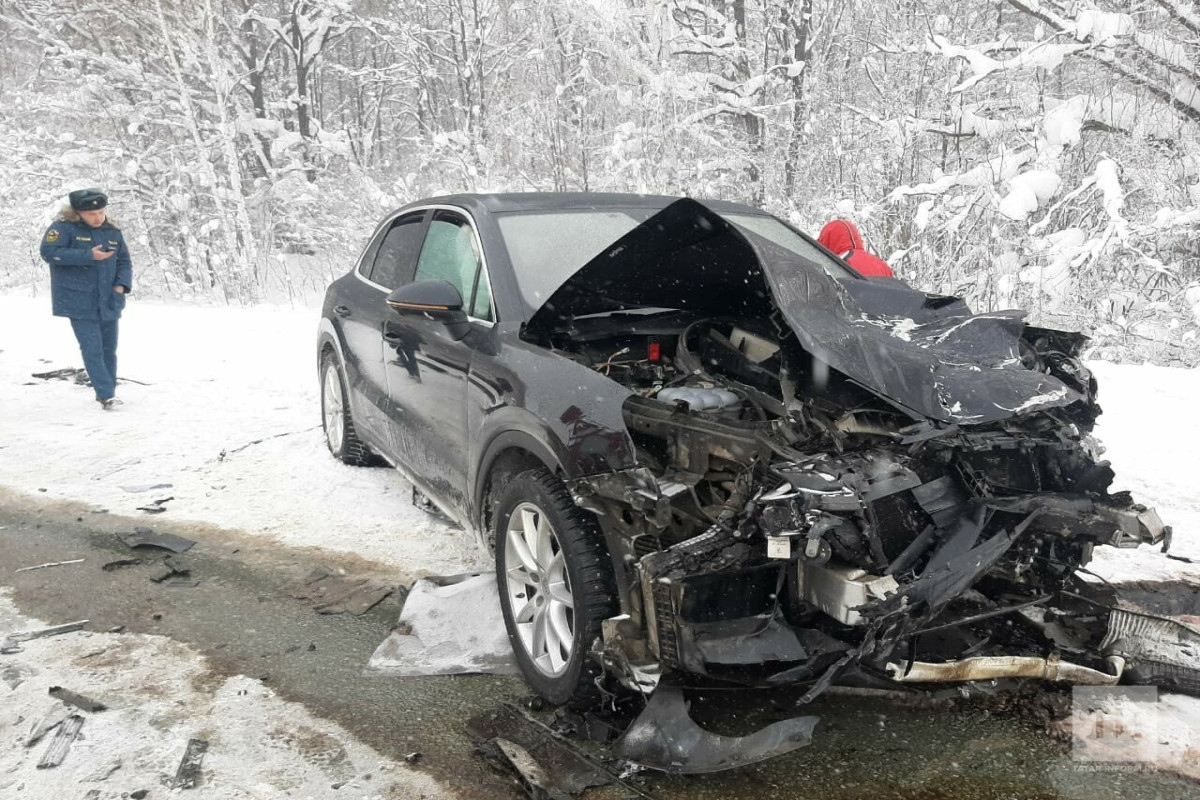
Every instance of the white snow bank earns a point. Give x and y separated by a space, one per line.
1152 436
219 380
159 695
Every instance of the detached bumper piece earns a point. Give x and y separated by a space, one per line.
664 737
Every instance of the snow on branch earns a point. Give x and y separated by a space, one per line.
1044 55
1001 168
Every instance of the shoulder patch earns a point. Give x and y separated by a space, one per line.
52 235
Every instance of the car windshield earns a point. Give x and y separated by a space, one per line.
547 248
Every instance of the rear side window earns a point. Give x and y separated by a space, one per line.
449 254
397 254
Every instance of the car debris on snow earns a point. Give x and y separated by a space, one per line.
52 564
75 374
60 745
47 723
188 774
156 506
336 593
146 537
77 700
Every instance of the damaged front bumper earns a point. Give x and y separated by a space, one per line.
872 569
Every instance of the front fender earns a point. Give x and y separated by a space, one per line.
327 336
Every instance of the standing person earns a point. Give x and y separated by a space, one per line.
841 237
90 276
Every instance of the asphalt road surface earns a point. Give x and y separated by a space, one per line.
243 618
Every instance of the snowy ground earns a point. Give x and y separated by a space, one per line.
159 695
222 378
219 379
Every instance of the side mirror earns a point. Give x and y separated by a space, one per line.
439 300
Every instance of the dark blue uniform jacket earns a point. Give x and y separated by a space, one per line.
81 287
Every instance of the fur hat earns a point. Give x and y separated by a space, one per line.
88 199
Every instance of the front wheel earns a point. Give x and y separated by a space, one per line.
556 586
340 434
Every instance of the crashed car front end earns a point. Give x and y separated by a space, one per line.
842 483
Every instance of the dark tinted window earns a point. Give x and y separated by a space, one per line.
449 254
398 253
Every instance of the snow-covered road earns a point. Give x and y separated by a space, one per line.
221 379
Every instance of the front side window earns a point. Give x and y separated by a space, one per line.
450 255
397 254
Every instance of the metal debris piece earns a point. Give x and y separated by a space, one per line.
139 794
52 564
156 506
77 700
168 568
92 794
52 720
339 594
664 737
112 566
530 771
41 633
60 745
146 537
188 774
541 751
64 374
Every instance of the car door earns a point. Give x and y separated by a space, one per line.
388 263
427 369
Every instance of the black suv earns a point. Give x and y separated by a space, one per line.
697 442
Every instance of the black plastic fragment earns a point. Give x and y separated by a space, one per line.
664 737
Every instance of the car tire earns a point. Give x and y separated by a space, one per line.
340 435
557 590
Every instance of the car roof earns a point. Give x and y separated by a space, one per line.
557 201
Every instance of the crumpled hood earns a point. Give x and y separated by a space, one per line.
929 355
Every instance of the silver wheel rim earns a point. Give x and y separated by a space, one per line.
331 402
539 591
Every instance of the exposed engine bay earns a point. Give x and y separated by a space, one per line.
790 526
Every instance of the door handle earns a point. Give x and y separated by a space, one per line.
392 337
342 311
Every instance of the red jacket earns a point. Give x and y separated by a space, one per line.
841 237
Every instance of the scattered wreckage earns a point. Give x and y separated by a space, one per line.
795 476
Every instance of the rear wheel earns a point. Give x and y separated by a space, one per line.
556 586
340 435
